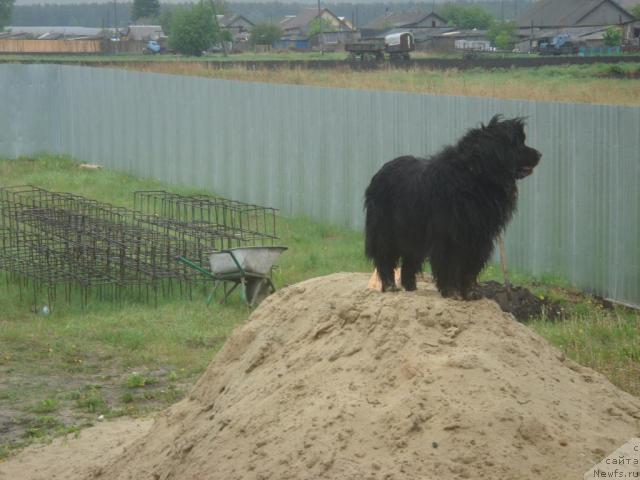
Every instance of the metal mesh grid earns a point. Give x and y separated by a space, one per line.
55 241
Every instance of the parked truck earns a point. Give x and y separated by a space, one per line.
561 44
396 45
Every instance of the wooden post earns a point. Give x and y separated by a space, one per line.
503 264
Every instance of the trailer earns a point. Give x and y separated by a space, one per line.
396 46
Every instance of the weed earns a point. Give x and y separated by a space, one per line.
127 397
48 405
91 400
135 380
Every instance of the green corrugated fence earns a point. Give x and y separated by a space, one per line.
312 151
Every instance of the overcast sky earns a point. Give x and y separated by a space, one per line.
314 2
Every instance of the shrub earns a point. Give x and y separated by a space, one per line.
502 35
193 30
612 37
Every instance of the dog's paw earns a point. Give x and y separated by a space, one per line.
390 288
473 294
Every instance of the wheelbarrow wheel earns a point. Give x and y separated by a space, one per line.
256 290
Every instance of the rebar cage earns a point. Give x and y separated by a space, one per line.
55 243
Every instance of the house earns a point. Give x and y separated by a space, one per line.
584 20
239 26
454 39
573 13
403 20
144 33
300 31
53 40
425 27
583 36
50 33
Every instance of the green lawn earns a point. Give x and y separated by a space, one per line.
63 371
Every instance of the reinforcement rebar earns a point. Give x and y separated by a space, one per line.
52 242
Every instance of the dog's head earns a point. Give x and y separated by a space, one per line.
517 157
498 150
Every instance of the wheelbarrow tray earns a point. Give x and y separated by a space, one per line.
244 260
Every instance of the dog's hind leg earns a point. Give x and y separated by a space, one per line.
410 268
386 266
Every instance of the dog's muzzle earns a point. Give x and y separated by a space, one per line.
526 170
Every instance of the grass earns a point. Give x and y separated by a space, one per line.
63 371
571 83
593 84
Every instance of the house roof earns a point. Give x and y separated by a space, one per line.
65 31
558 13
401 19
474 33
145 32
300 20
306 16
421 34
230 18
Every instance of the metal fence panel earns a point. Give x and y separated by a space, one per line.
311 151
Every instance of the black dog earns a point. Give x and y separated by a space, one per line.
448 208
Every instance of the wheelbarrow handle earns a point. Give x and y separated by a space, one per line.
194 266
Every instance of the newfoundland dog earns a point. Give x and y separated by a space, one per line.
448 208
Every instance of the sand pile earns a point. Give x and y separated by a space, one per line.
331 380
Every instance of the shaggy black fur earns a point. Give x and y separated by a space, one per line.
448 208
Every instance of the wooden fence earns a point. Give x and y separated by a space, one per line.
11 45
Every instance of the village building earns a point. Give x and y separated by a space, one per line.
585 21
405 21
239 26
304 30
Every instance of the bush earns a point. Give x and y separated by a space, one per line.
5 12
193 30
613 37
502 34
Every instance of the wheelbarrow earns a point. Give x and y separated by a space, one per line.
247 267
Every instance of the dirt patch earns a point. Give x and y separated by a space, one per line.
520 302
330 379
77 400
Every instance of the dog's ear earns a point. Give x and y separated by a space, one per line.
515 129
519 122
495 120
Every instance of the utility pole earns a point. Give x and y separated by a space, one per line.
115 26
321 37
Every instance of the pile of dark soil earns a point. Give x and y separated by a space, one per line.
520 302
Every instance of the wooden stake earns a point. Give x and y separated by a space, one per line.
503 264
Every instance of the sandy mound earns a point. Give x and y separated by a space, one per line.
331 380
